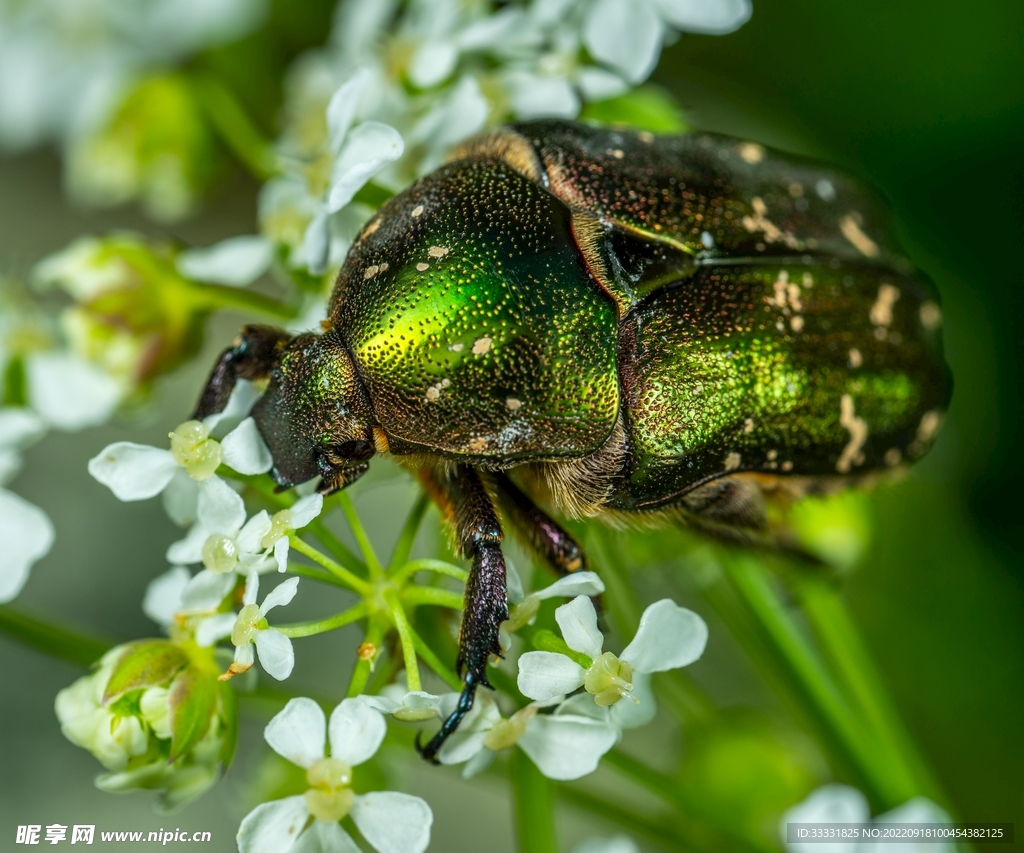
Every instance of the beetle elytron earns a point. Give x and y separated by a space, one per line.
615 324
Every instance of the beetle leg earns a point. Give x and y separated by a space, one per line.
252 356
341 478
551 542
463 498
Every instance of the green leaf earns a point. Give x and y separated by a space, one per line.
646 108
229 716
145 664
192 700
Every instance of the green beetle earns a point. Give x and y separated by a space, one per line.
613 324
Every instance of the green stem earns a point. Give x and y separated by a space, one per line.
339 620
375 630
417 595
356 584
373 194
431 659
886 779
845 650
403 547
627 818
245 300
238 132
362 540
53 640
316 574
534 804
401 622
437 566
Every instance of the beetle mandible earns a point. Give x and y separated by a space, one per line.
613 324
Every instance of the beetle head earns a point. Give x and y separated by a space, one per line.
315 415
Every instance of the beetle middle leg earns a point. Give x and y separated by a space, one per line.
462 496
547 538
253 355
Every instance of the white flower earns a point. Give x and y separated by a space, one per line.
628 34
352 156
564 744
409 706
615 844
843 804
26 535
525 607
249 628
234 262
668 637
163 595
69 393
391 822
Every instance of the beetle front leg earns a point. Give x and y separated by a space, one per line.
253 355
463 498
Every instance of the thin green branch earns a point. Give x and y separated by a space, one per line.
403 547
54 640
227 116
362 540
417 595
322 626
354 583
401 622
245 300
437 566
313 573
534 805
431 659
375 630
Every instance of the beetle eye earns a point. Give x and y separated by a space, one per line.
352 451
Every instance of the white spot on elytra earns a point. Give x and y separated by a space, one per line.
881 311
929 426
370 272
797 323
825 190
706 240
433 392
417 211
751 152
512 404
772 233
732 461
931 315
856 359
456 347
748 425
858 429
481 346
617 153
850 226
422 267
438 251
383 266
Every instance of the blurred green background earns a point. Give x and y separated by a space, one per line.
923 99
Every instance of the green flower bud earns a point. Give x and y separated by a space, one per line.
155 716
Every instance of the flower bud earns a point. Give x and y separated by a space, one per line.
155 716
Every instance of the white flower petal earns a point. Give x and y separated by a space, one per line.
245 451
578 621
583 705
189 549
433 63
221 509
625 34
669 637
280 595
181 498
316 244
251 535
281 549
133 472
325 838
566 747
272 827
540 96
628 715
206 591
240 403
299 732
597 84
209 631
393 822
828 804
252 588
10 464
700 16
478 763
545 675
468 739
276 654
234 262
163 595
244 655
917 810
368 147
27 534
70 393
304 510
580 583
342 108
356 731
19 427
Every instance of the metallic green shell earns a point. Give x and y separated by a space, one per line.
471 317
798 369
